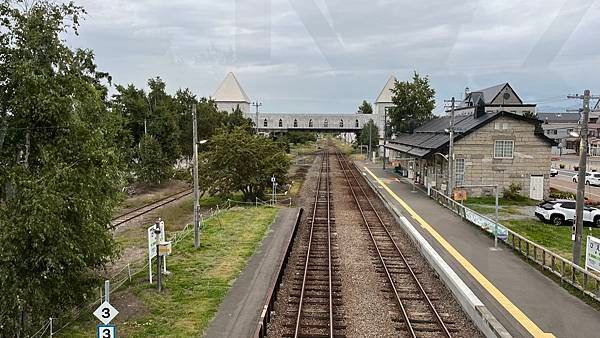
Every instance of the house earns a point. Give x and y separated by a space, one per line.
560 127
231 95
500 97
490 148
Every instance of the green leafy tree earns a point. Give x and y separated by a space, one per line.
530 114
363 137
414 103
163 123
152 166
236 119
365 108
183 101
240 161
59 166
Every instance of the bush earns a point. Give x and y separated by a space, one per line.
513 192
561 166
554 193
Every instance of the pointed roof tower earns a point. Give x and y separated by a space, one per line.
385 96
230 90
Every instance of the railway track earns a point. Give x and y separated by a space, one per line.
315 297
418 317
135 213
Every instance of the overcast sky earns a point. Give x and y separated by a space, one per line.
329 55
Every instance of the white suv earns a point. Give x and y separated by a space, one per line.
560 211
591 178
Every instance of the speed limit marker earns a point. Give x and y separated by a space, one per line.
106 331
106 312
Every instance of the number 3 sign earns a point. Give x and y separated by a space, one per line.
107 331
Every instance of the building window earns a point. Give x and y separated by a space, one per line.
341 123
280 123
504 148
265 123
356 123
555 131
310 124
459 172
325 124
295 123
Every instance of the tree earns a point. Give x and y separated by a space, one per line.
363 137
240 161
365 108
183 101
414 103
236 119
163 123
59 166
152 167
530 114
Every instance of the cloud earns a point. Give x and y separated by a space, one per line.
339 52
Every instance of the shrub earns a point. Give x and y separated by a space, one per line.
561 166
513 192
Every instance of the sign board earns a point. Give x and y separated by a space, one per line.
592 253
486 224
106 312
459 195
153 239
106 331
164 248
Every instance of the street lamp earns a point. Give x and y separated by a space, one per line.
196 189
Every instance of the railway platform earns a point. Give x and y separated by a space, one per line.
526 302
239 313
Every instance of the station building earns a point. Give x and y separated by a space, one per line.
491 147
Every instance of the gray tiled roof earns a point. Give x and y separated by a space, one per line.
488 94
432 136
559 117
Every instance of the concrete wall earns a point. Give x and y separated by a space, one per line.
230 106
531 155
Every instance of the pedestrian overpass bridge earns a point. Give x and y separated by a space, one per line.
284 122
230 95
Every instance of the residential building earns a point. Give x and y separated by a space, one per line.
500 97
490 148
560 127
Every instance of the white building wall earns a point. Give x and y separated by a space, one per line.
230 106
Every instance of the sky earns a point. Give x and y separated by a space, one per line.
329 55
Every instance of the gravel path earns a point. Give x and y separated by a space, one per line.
361 284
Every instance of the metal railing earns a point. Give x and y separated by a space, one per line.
585 281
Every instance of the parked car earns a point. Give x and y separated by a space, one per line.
591 178
553 172
559 212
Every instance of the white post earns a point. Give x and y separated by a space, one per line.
51 330
107 291
497 220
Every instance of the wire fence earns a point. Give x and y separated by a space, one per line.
585 281
137 266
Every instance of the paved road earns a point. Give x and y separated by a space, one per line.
564 182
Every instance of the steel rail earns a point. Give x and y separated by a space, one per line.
324 163
437 316
154 205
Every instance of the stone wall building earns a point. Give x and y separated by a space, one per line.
490 148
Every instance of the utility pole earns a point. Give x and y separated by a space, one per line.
583 145
256 105
370 125
451 149
385 110
196 194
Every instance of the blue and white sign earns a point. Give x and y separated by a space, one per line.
592 253
486 224
106 331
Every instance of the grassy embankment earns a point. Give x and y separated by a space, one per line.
198 283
